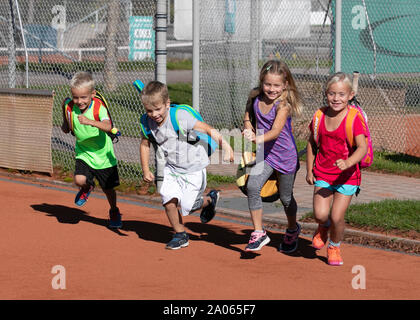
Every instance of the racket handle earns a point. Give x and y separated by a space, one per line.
356 75
138 85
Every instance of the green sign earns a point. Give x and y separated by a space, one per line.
142 38
394 27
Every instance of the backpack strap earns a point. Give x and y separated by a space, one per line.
145 129
316 122
68 112
96 108
173 111
209 142
351 117
100 98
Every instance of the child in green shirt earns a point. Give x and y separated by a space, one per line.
94 150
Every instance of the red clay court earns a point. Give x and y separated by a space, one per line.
42 228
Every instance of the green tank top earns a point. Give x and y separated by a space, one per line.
93 146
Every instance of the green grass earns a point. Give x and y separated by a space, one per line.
172 64
180 93
176 64
214 180
396 163
388 215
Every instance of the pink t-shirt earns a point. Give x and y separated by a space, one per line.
333 145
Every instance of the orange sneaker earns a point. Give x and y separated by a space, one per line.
320 237
334 256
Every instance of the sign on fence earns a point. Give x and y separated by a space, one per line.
142 38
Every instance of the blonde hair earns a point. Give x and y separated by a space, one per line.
82 79
338 77
155 91
291 96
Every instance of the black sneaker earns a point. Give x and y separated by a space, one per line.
115 218
179 240
290 241
208 212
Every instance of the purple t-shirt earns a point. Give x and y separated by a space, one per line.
281 153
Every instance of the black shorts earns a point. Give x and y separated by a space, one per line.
108 178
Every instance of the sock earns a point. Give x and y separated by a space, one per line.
260 231
334 244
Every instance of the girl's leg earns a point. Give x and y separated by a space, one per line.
291 237
256 217
257 177
286 182
322 203
339 207
175 219
322 200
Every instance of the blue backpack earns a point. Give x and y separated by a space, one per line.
193 136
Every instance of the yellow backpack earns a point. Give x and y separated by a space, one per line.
269 192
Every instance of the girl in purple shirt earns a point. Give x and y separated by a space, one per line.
268 123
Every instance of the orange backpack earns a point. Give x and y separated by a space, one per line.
98 101
354 111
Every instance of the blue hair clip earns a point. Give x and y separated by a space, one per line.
268 67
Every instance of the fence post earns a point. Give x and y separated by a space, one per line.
160 75
337 62
12 50
196 55
254 39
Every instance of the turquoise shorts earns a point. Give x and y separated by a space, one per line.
346 189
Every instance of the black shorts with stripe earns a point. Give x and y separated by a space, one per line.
108 178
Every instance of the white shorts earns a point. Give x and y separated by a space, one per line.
188 188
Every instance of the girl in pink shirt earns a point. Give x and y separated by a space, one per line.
332 166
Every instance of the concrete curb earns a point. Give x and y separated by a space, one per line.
309 228
353 236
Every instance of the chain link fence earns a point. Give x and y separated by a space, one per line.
62 37
380 39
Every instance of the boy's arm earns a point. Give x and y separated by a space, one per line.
104 125
144 160
212 132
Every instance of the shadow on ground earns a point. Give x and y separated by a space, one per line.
150 231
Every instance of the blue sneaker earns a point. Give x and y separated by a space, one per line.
82 196
115 218
290 241
257 241
179 240
209 211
